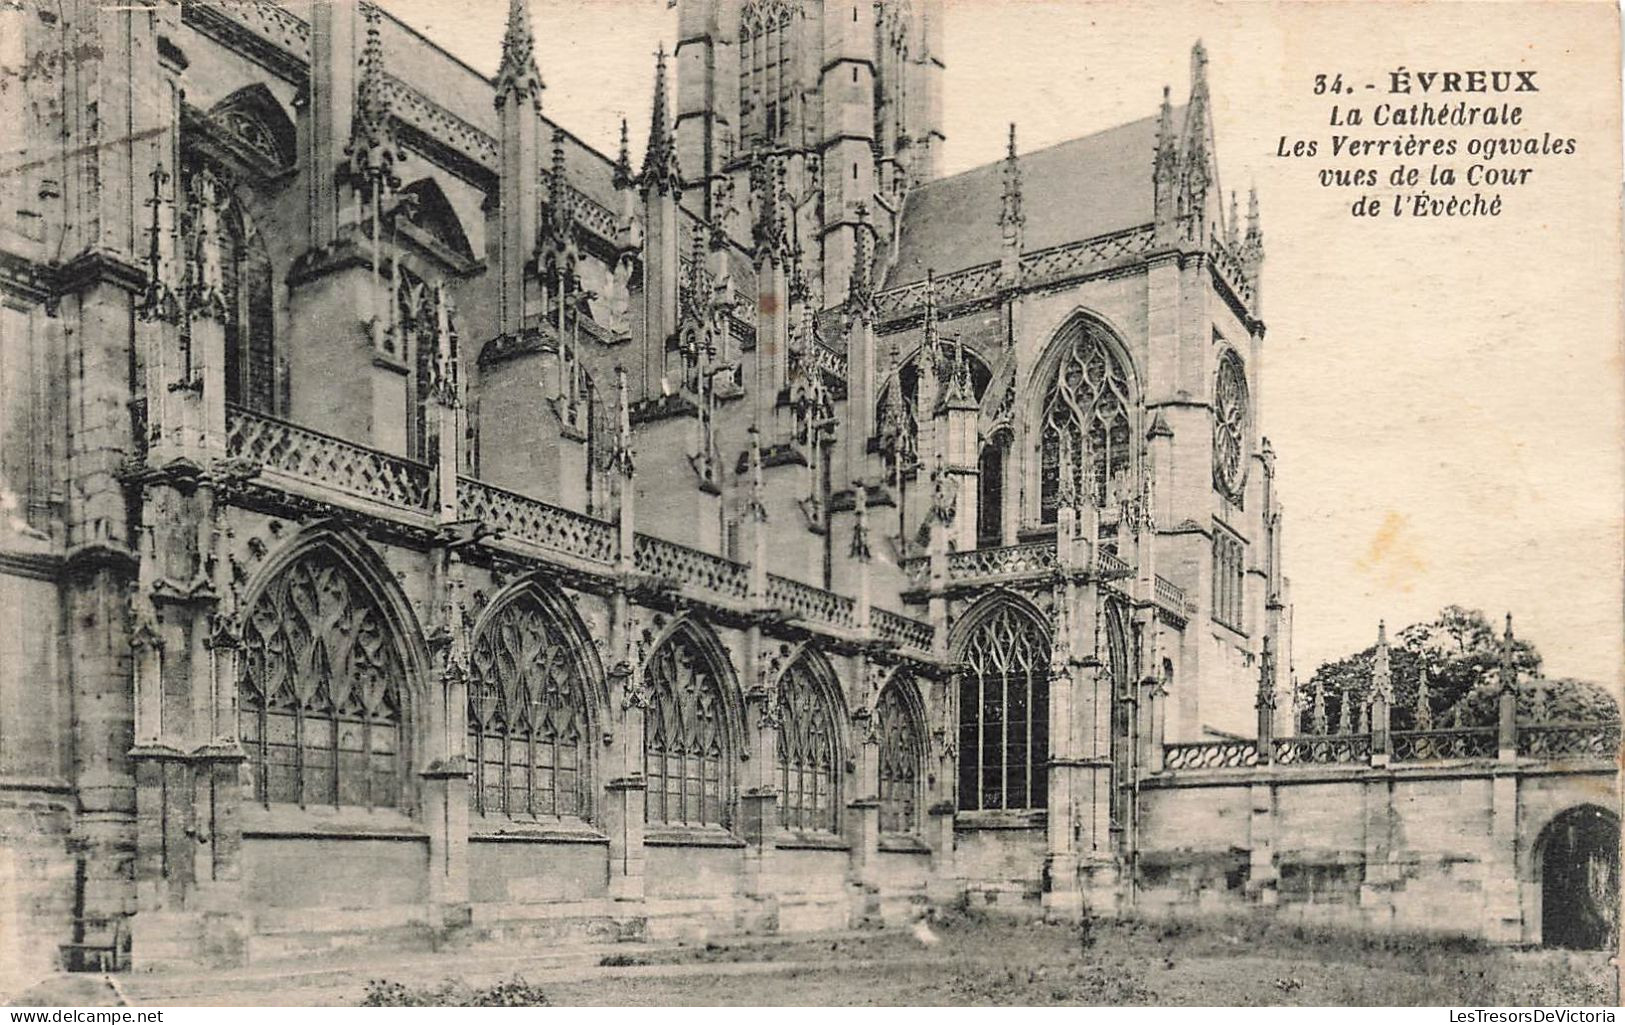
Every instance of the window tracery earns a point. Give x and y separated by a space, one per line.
766 74
685 738
1230 413
528 722
320 706
1089 402
809 785
1004 713
901 758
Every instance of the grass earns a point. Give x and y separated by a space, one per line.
978 959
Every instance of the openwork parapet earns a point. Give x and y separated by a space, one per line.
671 561
325 460
1210 754
1570 740
1437 745
805 601
909 633
1337 749
527 519
1005 561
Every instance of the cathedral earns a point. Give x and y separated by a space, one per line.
418 525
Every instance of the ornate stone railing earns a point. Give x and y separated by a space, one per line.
325 460
1110 567
1438 745
684 565
1169 595
805 601
1210 754
1060 262
1005 561
1230 269
1329 749
529 519
1569 740
906 632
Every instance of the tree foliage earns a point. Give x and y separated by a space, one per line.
1460 651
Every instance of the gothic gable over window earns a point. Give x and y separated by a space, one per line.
687 744
907 382
1231 410
767 74
1088 402
248 130
1003 709
529 715
809 746
901 729
321 692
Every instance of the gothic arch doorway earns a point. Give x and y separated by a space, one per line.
1579 879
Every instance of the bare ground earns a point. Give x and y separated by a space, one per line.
960 958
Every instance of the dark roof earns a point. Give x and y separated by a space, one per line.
1071 191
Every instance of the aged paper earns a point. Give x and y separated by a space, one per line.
519 500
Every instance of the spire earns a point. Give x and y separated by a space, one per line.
1233 228
860 293
1382 675
1011 218
558 193
1266 677
622 176
1198 72
1167 148
372 151
1255 234
1317 712
891 406
660 158
1424 707
1509 671
517 74
767 192
961 394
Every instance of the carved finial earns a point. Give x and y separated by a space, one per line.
1255 233
1382 677
660 158
1199 70
443 376
622 175
372 153
860 295
517 74
1011 217
1424 706
1509 669
622 457
1266 676
757 504
1317 713
860 523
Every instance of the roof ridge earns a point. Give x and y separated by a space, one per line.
994 164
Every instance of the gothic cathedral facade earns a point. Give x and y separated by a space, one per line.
418 523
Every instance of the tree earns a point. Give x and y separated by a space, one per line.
1460 651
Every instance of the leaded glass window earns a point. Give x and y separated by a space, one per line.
767 84
1089 402
1229 579
528 725
808 782
1230 410
685 738
1004 713
320 692
902 749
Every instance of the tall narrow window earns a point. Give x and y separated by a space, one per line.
1229 579
320 692
809 786
527 717
1004 713
685 738
766 75
990 496
1089 403
251 359
902 755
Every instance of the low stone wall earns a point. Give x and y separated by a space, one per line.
1443 848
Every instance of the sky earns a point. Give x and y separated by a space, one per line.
1446 397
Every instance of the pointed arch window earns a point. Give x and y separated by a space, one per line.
766 73
809 751
906 413
685 738
902 758
255 375
320 708
1004 713
990 494
1089 401
528 721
